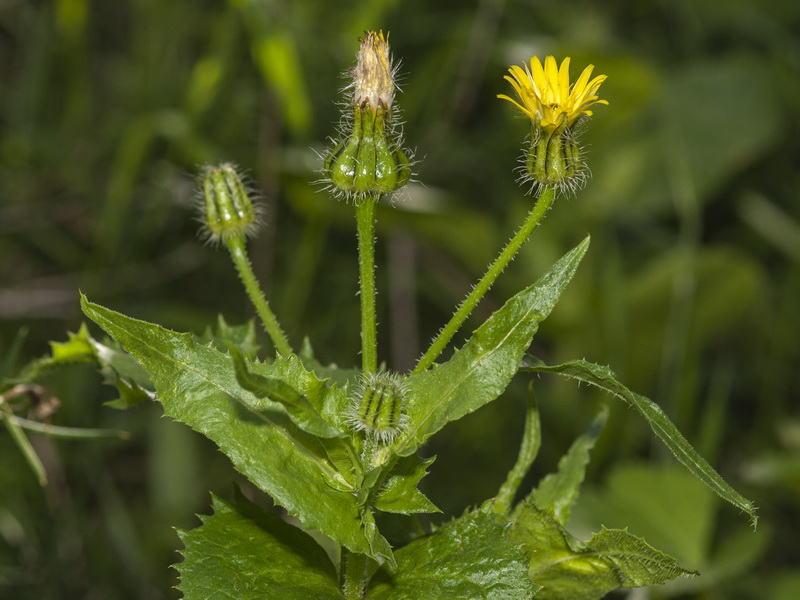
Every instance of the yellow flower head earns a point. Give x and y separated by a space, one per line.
547 96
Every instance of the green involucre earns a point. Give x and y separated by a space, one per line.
369 161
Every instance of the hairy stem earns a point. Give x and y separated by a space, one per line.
236 246
355 574
365 222
538 212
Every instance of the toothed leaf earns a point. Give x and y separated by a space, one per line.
666 431
244 553
558 491
469 557
196 384
400 494
566 568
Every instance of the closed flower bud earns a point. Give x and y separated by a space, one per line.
378 406
368 160
228 211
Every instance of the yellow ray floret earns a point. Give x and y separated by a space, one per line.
546 94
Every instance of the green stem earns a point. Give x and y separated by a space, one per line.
23 443
543 203
365 222
238 252
355 574
68 433
528 449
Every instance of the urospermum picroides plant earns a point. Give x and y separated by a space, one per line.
333 447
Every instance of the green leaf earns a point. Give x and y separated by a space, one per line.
569 569
558 491
469 557
241 336
481 370
528 449
77 350
400 494
196 384
342 377
121 370
118 368
663 503
244 553
272 392
605 379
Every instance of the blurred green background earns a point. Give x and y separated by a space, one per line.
690 292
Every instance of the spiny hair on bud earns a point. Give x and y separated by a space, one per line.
347 172
378 406
242 214
393 135
567 186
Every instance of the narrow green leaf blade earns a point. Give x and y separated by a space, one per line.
528 449
22 442
400 494
568 569
469 557
197 385
480 371
558 491
244 553
666 431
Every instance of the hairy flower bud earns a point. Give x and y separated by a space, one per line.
228 210
368 160
378 406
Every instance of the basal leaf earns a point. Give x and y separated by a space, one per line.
400 494
566 568
480 371
273 391
558 491
605 379
197 385
470 557
244 553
